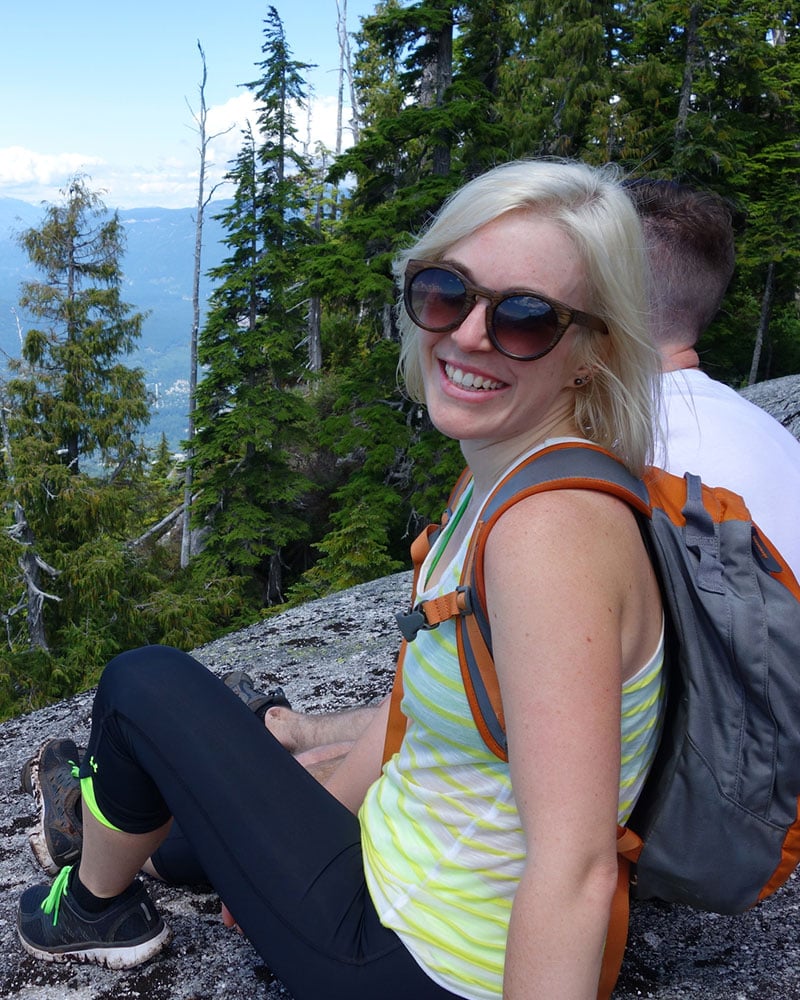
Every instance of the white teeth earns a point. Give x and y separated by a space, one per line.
468 380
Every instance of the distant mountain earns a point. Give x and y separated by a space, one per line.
157 267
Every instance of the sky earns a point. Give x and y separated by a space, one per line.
108 90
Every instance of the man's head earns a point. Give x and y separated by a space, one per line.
690 245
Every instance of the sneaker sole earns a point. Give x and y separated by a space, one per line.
37 836
110 956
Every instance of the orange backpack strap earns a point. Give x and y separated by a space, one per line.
396 724
629 847
420 547
566 465
562 466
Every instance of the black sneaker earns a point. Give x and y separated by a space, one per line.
51 776
259 702
52 926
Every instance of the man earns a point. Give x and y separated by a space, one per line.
706 427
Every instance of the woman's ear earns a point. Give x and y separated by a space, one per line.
581 377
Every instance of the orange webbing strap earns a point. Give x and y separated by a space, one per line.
629 847
790 855
396 724
443 608
617 935
420 548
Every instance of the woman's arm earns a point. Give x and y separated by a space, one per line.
559 571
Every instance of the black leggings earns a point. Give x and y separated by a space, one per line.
169 739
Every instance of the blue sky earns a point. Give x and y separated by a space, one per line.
105 89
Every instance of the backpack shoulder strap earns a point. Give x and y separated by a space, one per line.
411 622
561 466
566 466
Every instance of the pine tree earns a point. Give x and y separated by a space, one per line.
68 580
556 83
71 389
252 410
710 96
70 397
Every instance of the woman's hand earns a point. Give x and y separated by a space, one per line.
362 765
227 919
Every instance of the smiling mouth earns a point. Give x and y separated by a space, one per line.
466 380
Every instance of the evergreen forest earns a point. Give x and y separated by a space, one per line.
308 470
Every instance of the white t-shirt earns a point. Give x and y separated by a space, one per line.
712 431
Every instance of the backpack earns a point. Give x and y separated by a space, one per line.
716 826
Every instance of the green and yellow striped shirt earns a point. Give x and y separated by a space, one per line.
442 840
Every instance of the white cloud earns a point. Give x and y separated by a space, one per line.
227 121
169 179
320 125
24 171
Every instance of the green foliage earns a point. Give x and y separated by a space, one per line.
251 414
74 589
394 472
32 678
365 431
191 610
69 386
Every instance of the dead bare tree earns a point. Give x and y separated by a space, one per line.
763 322
345 72
204 140
314 318
691 61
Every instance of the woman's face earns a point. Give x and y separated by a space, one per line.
473 392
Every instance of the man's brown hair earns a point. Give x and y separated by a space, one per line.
690 245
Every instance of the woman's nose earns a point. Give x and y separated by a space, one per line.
471 335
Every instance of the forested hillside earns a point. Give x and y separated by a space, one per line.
310 469
157 265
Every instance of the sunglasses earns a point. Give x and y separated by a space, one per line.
522 325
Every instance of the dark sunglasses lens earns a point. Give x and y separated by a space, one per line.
525 326
436 299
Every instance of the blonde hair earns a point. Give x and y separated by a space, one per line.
616 406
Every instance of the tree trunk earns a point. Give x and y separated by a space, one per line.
345 69
275 579
436 78
341 28
32 567
314 321
188 481
314 334
763 322
691 59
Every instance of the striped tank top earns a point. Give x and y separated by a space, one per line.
442 841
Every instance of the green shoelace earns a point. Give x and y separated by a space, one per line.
58 890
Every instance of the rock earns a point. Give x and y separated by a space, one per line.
333 653
780 397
